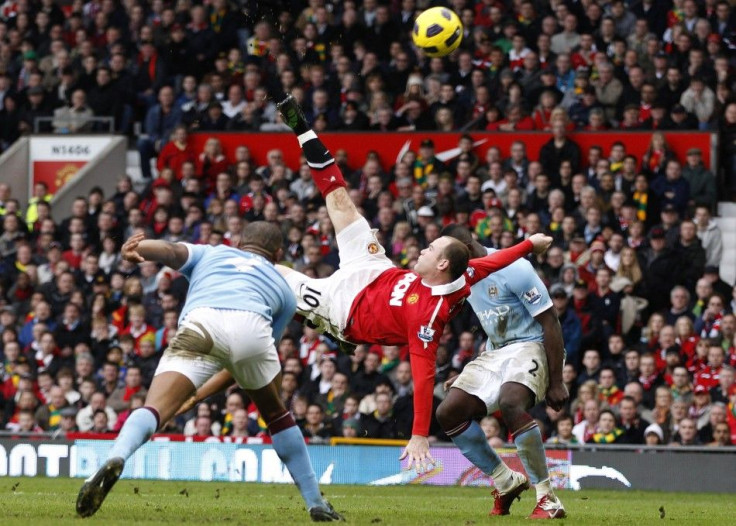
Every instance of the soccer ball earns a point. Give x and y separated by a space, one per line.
438 31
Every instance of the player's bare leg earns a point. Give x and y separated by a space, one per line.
457 415
289 445
514 401
325 173
169 390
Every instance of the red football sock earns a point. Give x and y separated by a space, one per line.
325 173
328 179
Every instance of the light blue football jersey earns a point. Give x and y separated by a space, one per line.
223 277
506 303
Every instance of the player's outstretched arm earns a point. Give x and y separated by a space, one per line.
423 374
480 268
137 249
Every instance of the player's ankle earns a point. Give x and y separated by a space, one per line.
502 478
542 488
301 128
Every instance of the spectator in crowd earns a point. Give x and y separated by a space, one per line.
584 430
75 118
563 431
98 402
381 422
726 379
315 427
634 427
606 430
160 122
48 416
653 435
716 416
709 234
571 326
721 435
672 188
687 434
120 398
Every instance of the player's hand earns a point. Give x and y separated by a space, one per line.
417 451
557 395
128 250
541 242
187 405
448 383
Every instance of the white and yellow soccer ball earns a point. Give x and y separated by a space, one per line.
438 31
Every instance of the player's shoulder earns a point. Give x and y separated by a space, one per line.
520 264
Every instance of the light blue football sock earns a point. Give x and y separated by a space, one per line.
473 445
138 428
530 449
291 449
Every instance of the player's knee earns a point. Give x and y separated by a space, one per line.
442 415
510 408
448 415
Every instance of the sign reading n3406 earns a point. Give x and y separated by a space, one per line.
76 149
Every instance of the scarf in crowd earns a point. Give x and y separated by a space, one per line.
54 417
216 18
607 438
641 199
227 425
647 381
130 391
612 395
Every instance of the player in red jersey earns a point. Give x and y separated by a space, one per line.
368 300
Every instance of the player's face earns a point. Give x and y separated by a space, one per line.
430 257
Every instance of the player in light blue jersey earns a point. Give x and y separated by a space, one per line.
237 307
521 366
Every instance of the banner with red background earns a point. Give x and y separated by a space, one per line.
56 159
389 145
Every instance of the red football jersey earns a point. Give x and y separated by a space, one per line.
398 309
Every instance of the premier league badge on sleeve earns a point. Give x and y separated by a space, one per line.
426 334
532 295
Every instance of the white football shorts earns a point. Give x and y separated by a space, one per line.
209 340
524 363
326 302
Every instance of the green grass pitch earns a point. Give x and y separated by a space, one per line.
30 501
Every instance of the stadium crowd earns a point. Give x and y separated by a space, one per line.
649 326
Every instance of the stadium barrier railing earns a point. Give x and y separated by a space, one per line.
96 124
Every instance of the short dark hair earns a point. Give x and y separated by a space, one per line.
628 398
459 232
563 418
458 254
263 235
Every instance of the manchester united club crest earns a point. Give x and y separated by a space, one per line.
373 248
412 299
493 291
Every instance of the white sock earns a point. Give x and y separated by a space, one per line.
502 478
543 488
306 136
